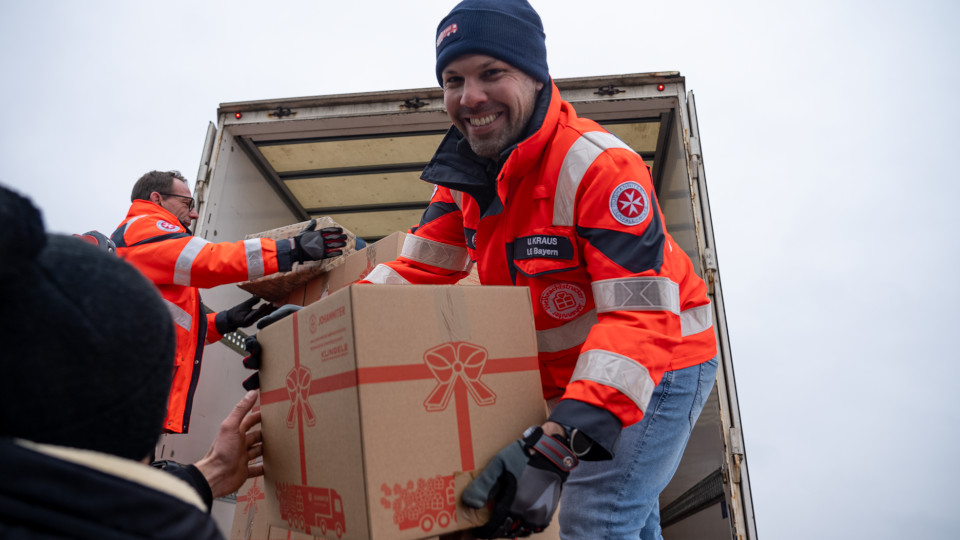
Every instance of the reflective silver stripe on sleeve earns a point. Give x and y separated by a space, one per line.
575 164
435 253
616 371
384 275
180 317
696 320
571 334
636 294
254 258
181 272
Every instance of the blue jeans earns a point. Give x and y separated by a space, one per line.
619 498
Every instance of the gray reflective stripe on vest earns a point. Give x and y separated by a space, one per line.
180 317
181 272
435 253
575 164
571 334
636 294
616 371
696 320
384 275
254 258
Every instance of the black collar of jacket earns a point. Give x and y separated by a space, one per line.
456 166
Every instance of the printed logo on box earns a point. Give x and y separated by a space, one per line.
306 508
563 300
318 320
432 502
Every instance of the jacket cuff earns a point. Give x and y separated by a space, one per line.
285 255
191 475
601 425
220 321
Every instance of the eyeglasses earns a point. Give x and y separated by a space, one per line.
190 204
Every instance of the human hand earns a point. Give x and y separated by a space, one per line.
523 481
242 315
252 346
227 464
312 245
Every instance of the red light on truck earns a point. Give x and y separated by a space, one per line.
660 88
238 115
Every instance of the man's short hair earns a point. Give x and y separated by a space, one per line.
159 181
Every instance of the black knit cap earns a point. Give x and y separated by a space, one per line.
508 30
88 351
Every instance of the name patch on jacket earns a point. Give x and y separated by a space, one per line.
542 246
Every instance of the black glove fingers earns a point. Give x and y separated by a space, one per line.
252 346
249 302
251 362
252 382
503 493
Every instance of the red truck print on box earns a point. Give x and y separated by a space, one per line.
431 502
307 508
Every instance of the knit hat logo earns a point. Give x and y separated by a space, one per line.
452 29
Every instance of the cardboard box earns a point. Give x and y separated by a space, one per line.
281 533
278 287
380 400
355 267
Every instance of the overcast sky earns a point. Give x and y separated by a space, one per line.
828 136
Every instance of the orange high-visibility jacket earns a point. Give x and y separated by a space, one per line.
574 218
151 239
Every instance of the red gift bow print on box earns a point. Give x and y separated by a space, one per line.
456 366
298 390
453 363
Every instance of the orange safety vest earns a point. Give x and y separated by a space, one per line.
152 239
574 218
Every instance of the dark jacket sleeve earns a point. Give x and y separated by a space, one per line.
190 475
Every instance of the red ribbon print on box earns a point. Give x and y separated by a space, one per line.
302 506
458 368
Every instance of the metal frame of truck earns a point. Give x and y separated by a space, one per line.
267 163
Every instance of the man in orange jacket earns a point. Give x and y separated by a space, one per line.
537 197
155 238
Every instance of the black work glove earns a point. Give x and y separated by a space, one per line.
312 245
241 315
252 346
524 481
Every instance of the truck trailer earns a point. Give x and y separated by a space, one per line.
357 158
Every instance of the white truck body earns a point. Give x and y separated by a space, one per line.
357 158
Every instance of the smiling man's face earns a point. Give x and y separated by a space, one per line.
489 101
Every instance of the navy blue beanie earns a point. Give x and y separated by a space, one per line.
508 30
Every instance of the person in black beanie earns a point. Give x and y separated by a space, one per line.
537 197
87 371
